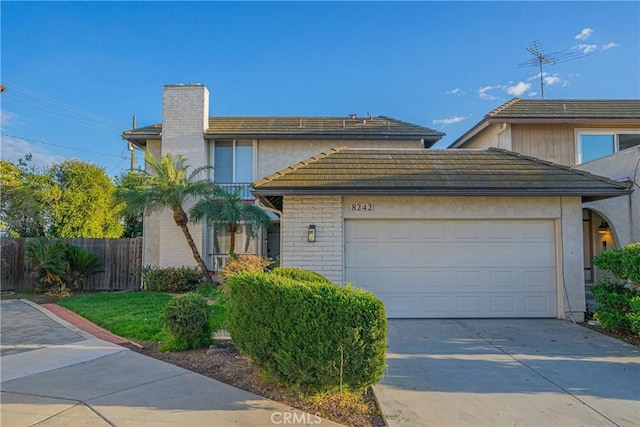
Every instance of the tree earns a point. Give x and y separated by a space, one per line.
86 204
168 187
26 199
70 199
228 210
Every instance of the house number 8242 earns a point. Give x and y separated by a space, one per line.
361 207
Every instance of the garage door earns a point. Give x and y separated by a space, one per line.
455 268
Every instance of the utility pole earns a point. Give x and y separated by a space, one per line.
132 148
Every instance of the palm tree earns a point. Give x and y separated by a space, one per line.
168 187
228 210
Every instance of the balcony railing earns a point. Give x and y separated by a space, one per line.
245 188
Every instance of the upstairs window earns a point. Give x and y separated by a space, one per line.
233 161
594 144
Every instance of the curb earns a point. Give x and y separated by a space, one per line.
85 325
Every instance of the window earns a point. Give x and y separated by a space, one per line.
233 161
593 144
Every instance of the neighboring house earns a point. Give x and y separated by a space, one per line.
440 233
598 136
243 149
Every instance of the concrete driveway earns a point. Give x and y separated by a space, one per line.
507 372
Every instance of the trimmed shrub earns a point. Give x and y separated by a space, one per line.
187 319
613 304
634 315
315 335
623 263
173 279
299 274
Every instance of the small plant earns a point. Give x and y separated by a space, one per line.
49 263
58 266
80 264
172 279
187 319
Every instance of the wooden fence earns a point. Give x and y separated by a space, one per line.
120 269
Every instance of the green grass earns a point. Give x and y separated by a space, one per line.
138 315
133 315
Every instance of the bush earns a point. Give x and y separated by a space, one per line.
173 279
247 263
187 319
612 305
58 266
315 335
623 263
300 274
634 315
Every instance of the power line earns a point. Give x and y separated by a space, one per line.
63 105
64 146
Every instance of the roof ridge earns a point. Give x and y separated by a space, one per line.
558 166
503 107
298 165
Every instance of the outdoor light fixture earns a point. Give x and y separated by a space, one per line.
311 235
604 227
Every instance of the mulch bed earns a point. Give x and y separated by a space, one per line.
224 363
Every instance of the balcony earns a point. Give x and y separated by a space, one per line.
245 188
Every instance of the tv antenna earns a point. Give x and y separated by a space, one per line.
541 58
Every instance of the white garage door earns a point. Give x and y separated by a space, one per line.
455 268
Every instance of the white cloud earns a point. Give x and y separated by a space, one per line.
550 80
609 45
456 91
7 119
15 148
584 34
448 121
518 89
483 92
587 48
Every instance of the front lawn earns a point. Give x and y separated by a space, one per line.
133 315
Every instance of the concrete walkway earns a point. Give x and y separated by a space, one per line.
506 373
54 374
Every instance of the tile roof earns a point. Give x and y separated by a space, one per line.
591 111
380 127
434 172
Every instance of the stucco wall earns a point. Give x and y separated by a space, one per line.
328 213
275 155
622 212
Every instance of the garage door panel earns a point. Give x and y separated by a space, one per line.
502 280
477 268
537 305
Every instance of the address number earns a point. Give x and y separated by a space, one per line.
357 207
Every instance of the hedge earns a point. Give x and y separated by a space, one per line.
315 335
173 279
300 274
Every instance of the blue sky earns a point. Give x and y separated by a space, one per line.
76 72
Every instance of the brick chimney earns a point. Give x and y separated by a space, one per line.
185 117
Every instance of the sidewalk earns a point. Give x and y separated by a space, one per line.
58 375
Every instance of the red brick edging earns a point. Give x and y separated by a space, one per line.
85 325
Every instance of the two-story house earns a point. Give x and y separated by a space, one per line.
601 136
433 233
243 149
